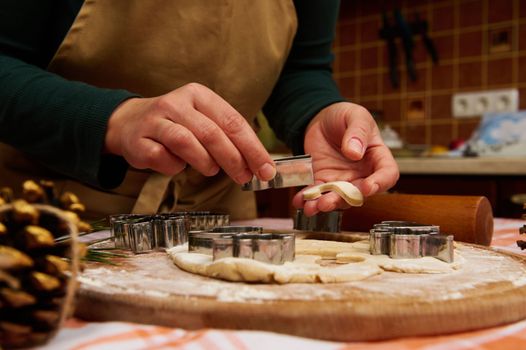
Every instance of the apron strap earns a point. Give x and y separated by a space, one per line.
152 194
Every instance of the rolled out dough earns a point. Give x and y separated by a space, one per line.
316 262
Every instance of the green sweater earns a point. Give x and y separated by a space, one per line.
62 123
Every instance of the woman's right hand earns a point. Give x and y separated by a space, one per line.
190 125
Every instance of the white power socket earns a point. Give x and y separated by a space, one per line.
472 104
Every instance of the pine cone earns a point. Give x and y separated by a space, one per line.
37 274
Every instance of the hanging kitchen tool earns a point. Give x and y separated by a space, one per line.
388 33
407 41
405 31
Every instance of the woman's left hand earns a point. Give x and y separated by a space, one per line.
345 145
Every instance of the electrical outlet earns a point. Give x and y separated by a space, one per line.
473 104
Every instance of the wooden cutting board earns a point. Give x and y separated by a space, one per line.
489 290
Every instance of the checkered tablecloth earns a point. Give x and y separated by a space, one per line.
80 335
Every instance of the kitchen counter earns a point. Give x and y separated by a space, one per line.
462 166
502 180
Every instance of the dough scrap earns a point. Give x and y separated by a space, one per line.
316 262
350 193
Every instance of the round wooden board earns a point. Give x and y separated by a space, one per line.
489 290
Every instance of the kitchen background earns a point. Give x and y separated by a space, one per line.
481 45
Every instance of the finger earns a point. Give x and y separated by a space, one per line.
380 181
239 132
150 154
327 202
217 145
181 142
358 131
331 201
297 200
309 207
385 172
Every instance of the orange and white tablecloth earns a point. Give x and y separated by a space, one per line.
80 335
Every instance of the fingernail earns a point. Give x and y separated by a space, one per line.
374 189
266 172
356 145
244 178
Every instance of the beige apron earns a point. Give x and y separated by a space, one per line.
235 47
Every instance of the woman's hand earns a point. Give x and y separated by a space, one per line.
345 144
190 125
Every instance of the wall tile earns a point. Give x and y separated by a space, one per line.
500 71
420 83
470 44
443 18
441 106
369 58
415 134
500 10
347 34
466 127
470 13
444 46
391 109
420 53
348 10
370 7
470 75
522 68
347 87
442 76
372 105
387 87
347 61
369 30
368 84
522 9
441 134
522 36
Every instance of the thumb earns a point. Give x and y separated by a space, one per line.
356 135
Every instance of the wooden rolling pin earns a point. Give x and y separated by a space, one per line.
468 218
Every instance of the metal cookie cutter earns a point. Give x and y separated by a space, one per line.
290 172
146 233
205 220
121 228
322 222
202 241
244 242
170 229
408 240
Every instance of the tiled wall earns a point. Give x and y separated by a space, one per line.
463 32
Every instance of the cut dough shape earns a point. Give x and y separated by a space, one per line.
350 193
350 262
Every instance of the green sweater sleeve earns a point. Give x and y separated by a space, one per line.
57 122
305 85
